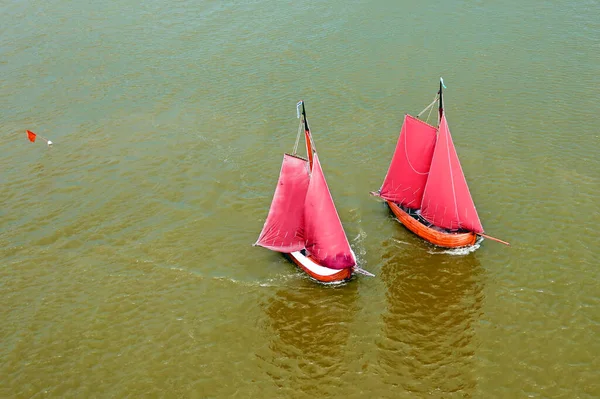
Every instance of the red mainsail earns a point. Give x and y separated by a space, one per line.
406 178
283 230
323 231
447 201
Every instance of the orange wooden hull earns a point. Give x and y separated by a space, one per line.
343 274
439 238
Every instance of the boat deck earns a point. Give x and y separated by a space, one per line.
416 214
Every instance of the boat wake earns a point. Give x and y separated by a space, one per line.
331 283
276 281
401 242
280 280
459 251
358 243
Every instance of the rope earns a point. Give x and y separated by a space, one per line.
429 114
408 160
427 107
297 139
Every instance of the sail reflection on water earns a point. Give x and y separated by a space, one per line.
310 327
433 302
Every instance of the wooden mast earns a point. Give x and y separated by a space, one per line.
308 137
440 102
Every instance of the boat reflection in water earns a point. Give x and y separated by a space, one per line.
433 302
309 332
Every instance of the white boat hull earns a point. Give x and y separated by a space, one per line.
318 272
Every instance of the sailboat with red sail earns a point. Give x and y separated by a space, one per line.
425 186
303 222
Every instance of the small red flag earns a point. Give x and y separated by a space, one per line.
31 135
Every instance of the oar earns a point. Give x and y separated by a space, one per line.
493 239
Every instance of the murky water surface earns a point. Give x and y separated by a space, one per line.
126 261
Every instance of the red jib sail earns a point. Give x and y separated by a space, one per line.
447 201
283 229
406 178
323 231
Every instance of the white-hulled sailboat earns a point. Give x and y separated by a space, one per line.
303 222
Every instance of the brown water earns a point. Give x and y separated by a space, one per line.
127 267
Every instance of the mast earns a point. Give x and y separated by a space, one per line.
306 128
440 102
308 137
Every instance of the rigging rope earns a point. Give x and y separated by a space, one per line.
408 159
428 107
429 114
297 138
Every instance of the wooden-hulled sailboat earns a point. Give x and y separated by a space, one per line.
425 186
303 222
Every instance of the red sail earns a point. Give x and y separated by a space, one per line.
447 201
283 229
407 175
324 234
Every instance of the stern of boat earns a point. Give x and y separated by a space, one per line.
318 272
435 237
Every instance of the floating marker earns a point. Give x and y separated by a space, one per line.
32 136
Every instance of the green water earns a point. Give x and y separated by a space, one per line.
127 267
